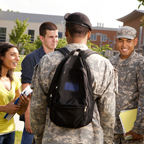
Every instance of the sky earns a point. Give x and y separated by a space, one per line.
99 11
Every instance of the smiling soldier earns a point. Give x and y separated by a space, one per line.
130 66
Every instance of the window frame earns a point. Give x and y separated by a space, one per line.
32 35
3 34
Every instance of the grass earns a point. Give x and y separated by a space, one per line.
18 68
18 136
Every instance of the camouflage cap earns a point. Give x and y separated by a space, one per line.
126 32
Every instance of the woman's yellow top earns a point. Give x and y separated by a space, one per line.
5 97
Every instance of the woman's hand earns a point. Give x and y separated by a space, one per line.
11 108
24 101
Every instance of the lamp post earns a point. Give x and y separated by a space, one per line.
139 42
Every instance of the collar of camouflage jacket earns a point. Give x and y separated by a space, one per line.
126 61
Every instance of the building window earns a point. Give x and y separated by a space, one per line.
2 34
59 34
93 37
104 38
31 32
115 53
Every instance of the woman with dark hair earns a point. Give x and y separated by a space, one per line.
9 91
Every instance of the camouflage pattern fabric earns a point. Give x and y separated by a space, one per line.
126 32
130 89
101 129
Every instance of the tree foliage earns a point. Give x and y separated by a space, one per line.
17 35
98 49
7 10
37 43
141 3
61 43
21 40
29 47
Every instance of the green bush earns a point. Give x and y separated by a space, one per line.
18 68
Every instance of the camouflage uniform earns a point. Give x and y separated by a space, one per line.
130 91
101 129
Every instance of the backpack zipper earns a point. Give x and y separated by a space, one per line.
50 96
85 108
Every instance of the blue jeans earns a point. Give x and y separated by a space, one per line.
7 138
27 137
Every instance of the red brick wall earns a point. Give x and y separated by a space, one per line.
135 23
110 34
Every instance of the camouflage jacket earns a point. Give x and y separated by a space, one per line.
130 89
101 129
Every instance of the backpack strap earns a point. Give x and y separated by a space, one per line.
64 51
86 53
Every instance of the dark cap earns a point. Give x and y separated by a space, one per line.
78 18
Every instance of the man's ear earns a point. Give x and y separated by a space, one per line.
89 34
66 33
136 41
41 38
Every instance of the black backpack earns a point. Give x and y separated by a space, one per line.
70 97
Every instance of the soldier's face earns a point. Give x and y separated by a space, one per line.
126 46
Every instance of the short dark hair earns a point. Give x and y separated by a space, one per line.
46 26
76 30
4 47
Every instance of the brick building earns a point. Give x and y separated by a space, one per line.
101 36
34 21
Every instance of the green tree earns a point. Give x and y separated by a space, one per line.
17 35
29 47
61 43
141 3
37 43
98 49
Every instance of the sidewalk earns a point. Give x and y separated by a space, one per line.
19 124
